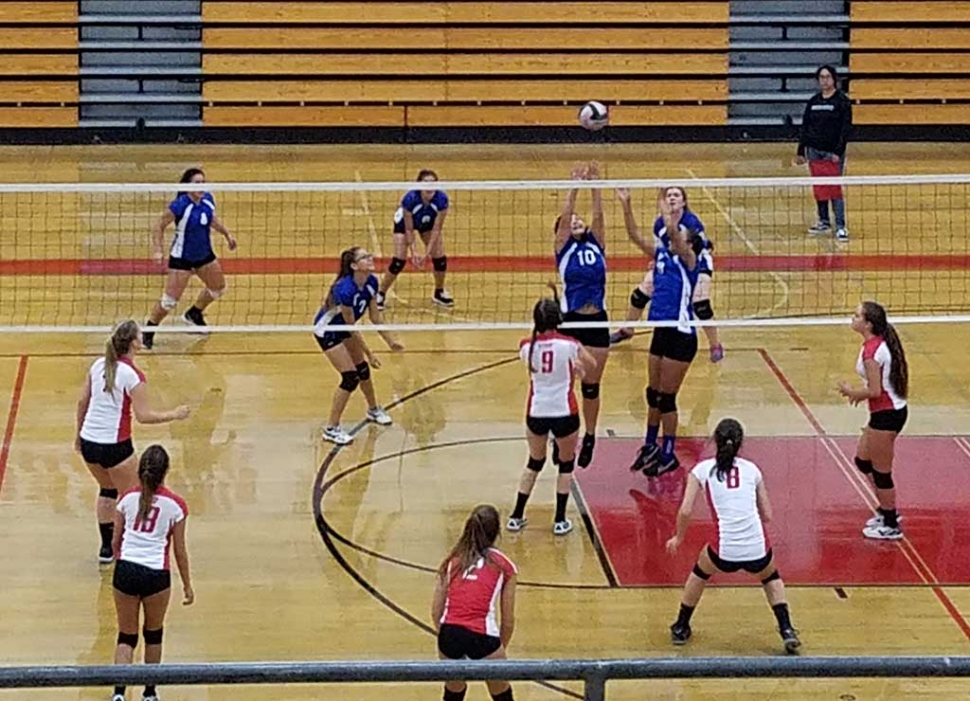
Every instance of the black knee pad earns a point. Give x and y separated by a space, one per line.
883 480
440 264
396 266
566 467
865 466
152 637
668 402
590 391
653 398
700 573
638 299
771 577
504 696
455 695
108 493
349 380
697 243
536 464
703 311
363 371
129 639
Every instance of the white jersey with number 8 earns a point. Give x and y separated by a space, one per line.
551 385
147 541
734 506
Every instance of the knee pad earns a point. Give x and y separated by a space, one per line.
129 639
216 294
865 466
703 311
771 577
697 243
396 266
653 398
639 299
590 391
667 403
883 480
455 695
440 264
108 493
168 303
566 467
152 637
363 371
700 573
349 380
536 464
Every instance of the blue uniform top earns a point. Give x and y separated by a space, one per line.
582 269
192 223
690 221
424 214
345 292
673 290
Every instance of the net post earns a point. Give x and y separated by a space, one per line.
594 688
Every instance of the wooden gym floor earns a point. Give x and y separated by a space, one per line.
304 552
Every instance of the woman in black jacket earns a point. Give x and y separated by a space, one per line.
825 128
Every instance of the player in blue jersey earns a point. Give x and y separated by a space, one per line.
194 214
352 294
677 199
673 348
581 259
423 211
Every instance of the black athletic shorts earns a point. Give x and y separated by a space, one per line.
749 566
331 339
183 264
559 426
457 643
670 343
591 338
107 455
137 580
889 420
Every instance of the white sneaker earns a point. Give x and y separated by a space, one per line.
878 520
379 416
882 533
842 235
153 697
516 524
118 697
562 527
337 435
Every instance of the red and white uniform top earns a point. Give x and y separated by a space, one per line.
147 541
473 595
108 418
551 392
734 505
876 349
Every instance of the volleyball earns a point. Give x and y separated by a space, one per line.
594 116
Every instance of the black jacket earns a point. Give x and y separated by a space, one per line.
826 124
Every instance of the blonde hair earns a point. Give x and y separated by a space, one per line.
118 345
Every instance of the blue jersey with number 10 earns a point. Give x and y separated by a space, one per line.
582 268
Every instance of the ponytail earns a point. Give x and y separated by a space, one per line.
728 437
152 469
118 345
875 315
546 316
347 259
480 533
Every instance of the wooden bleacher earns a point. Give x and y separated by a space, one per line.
912 60
463 63
38 56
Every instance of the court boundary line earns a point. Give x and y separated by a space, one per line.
15 396
842 462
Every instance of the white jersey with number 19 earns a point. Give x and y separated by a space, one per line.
551 384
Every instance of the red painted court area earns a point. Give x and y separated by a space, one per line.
819 512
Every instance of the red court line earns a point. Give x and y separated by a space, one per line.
919 564
496 264
18 389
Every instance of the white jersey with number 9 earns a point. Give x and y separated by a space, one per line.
551 384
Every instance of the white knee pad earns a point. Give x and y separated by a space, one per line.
215 294
168 303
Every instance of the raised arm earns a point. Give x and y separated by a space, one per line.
680 244
565 228
649 247
598 224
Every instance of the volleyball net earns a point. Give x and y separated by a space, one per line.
79 256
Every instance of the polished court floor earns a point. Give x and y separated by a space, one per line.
301 551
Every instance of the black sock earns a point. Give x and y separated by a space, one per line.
504 696
151 323
455 695
195 309
520 501
683 618
890 518
781 613
149 690
107 533
561 500
439 290
120 690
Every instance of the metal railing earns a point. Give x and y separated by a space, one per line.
594 673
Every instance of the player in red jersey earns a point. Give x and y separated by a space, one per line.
150 520
882 366
475 587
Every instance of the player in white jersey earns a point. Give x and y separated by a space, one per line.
114 389
554 362
740 508
150 520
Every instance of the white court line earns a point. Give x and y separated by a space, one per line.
749 244
964 444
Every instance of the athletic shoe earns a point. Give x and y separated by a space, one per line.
789 637
662 466
882 533
516 524
879 520
379 416
194 316
147 339
586 451
717 353
118 697
562 527
680 634
337 435
620 336
106 556
822 227
842 234
442 298
152 697
648 455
